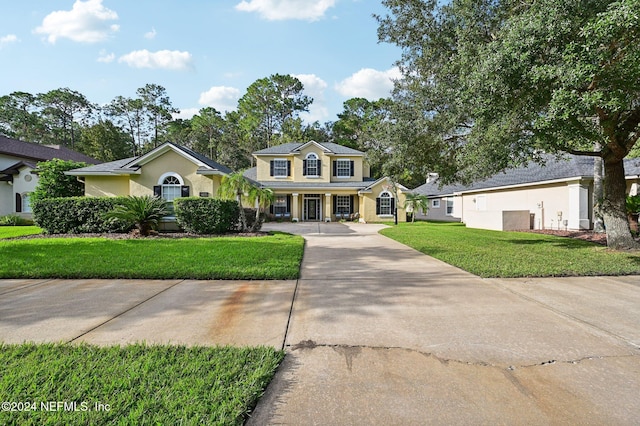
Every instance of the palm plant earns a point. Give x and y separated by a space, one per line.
236 186
263 198
142 212
414 202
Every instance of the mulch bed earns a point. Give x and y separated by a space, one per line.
594 237
136 235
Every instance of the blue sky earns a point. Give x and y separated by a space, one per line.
204 52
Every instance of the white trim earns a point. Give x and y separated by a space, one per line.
316 159
319 145
520 185
286 175
155 153
167 174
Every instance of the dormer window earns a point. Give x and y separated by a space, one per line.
311 165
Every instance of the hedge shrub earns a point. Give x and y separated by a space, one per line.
75 215
14 220
206 215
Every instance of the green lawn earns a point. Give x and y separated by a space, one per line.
135 384
276 256
18 231
512 254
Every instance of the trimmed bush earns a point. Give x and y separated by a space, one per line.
206 215
75 215
14 220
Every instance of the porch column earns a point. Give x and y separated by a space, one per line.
579 217
295 208
327 207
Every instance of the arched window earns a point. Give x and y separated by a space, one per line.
170 186
311 166
385 204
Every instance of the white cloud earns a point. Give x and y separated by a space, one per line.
8 39
163 59
314 87
278 10
87 22
222 98
106 57
186 113
151 34
369 84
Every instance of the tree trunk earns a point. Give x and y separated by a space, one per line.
598 193
243 219
614 209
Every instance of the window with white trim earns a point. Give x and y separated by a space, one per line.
280 205
435 204
386 204
171 188
450 206
343 204
343 168
280 168
311 165
26 202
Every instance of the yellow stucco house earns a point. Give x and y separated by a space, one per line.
311 181
325 182
169 171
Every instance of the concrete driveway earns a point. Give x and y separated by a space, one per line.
381 334
377 333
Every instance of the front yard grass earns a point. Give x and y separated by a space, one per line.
271 257
18 231
512 254
136 384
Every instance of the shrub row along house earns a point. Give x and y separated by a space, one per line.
18 161
311 181
557 195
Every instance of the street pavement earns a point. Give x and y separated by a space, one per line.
377 333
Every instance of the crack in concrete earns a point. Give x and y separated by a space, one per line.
351 351
123 312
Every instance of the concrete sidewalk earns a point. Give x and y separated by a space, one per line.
161 311
381 334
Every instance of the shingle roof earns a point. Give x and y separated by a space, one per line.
209 162
287 148
37 152
103 167
570 166
114 166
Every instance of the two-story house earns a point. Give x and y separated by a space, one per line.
311 181
325 182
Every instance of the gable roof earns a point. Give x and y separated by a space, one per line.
206 166
36 152
295 147
554 169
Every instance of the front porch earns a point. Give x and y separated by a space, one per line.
316 207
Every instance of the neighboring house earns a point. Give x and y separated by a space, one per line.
325 182
169 171
558 195
18 160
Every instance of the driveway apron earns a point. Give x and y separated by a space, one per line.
382 334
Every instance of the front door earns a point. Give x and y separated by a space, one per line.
312 208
